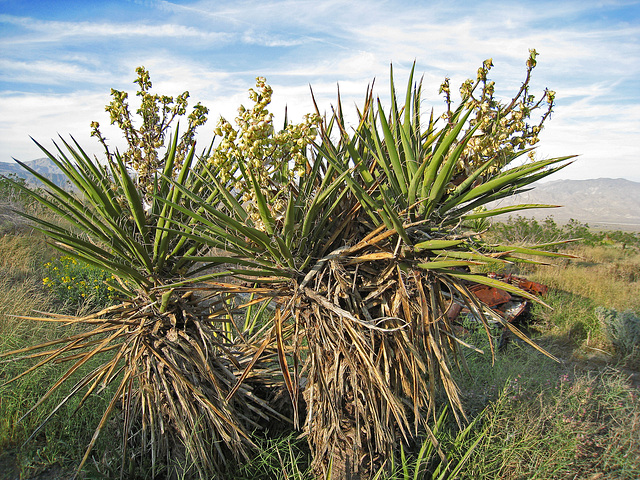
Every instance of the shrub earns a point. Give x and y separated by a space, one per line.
622 328
521 229
74 283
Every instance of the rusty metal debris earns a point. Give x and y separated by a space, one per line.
507 305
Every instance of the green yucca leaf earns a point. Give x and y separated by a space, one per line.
508 189
418 176
285 252
164 211
396 222
263 207
528 261
163 185
240 261
319 201
90 224
78 210
529 251
437 244
219 235
508 177
401 131
211 235
257 236
443 178
126 240
406 130
447 264
92 180
501 210
227 198
253 315
553 244
289 221
87 251
194 279
382 160
447 139
365 201
401 178
134 200
478 257
453 197
263 275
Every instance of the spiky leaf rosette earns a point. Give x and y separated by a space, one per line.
169 357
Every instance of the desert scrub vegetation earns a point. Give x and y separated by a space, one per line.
520 229
600 277
298 276
21 293
602 272
74 283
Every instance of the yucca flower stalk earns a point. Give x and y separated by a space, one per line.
369 254
168 358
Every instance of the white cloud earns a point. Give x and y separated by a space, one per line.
44 117
590 62
46 72
52 31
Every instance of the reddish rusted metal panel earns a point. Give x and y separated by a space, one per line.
489 295
502 302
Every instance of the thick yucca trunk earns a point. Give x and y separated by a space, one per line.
376 347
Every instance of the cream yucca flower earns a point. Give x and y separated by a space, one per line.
275 158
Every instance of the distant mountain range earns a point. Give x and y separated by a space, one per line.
44 166
604 203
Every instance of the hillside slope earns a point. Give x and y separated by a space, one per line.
602 202
44 166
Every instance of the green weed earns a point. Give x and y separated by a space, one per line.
549 421
74 283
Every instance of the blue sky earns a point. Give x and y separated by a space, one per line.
59 59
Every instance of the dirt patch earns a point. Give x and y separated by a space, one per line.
9 467
10 470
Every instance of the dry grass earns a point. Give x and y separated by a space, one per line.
610 276
21 289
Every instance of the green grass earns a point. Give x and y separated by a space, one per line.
547 420
536 418
63 440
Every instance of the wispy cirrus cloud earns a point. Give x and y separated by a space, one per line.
589 53
54 31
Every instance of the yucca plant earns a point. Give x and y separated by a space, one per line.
364 248
168 358
417 190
